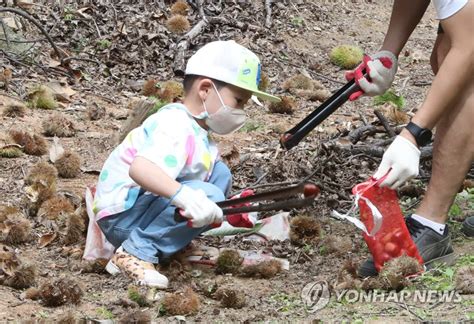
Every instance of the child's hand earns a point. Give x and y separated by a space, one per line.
200 210
380 68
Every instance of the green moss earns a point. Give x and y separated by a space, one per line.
346 56
390 96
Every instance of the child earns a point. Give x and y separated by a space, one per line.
169 162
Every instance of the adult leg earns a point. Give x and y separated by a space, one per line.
452 155
453 148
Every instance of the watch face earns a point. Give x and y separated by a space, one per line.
425 136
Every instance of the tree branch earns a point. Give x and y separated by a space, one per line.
27 16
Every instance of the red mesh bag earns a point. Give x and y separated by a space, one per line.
392 239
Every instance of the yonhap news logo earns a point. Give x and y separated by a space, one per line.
316 296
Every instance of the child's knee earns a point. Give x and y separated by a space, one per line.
213 192
221 177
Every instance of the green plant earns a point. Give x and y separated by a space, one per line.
323 250
464 199
68 13
135 295
390 96
103 44
286 302
250 126
442 277
158 105
104 312
80 44
307 248
297 21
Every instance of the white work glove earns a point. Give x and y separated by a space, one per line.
381 69
402 158
199 209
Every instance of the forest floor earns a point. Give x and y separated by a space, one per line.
131 44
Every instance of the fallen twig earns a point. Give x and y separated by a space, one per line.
5 33
268 9
180 51
76 58
385 123
378 151
27 16
201 9
356 134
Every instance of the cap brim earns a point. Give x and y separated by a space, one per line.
265 96
260 94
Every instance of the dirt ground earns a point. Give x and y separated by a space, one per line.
302 35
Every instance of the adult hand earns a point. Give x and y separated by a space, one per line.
380 69
402 159
200 210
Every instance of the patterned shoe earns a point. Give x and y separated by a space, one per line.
142 272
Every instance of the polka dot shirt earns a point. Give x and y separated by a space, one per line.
171 139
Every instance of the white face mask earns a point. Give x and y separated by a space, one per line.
225 120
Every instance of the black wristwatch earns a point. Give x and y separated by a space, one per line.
421 135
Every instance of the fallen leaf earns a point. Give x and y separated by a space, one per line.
10 22
56 150
25 4
46 239
61 92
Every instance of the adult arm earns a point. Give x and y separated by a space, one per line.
405 17
454 76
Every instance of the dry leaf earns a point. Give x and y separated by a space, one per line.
61 92
229 153
46 239
56 150
10 22
32 193
53 63
25 4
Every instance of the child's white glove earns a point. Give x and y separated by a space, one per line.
380 68
403 158
200 210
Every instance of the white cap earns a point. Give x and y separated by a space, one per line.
231 63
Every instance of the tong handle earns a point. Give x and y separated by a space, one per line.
309 190
292 137
306 188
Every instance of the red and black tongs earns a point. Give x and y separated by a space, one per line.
292 137
281 200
